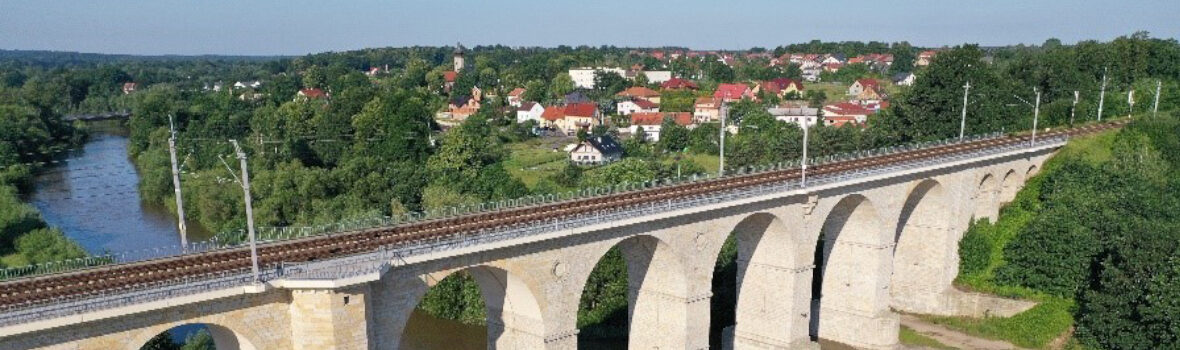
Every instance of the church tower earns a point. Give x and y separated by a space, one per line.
458 56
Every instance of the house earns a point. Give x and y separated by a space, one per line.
462 107
925 58
584 77
651 122
572 117
706 109
597 150
678 84
514 97
801 116
129 87
904 79
860 85
733 92
779 87
640 92
310 94
636 105
838 114
530 111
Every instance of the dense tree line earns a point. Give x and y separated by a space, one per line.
372 148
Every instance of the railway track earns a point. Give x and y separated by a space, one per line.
28 292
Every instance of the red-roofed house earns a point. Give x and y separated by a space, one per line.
651 123
838 114
678 84
860 85
514 97
640 92
572 117
733 92
778 87
636 105
310 94
129 87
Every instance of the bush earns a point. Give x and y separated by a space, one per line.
975 250
1052 254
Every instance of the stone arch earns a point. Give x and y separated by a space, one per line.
657 293
850 300
514 318
924 259
224 338
770 278
1009 186
985 197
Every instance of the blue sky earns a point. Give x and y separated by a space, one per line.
293 27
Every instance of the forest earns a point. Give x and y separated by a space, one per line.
372 148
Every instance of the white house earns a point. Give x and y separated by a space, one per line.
658 76
636 106
801 116
530 111
651 123
904 79
597 150
584 77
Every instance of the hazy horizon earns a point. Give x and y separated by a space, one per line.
293 28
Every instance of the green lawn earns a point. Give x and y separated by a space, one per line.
910 337
835 91
534 160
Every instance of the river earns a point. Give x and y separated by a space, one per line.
94 198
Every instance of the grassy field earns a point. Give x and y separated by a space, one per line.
910 337
835 91
535 159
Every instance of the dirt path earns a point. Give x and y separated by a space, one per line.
952 337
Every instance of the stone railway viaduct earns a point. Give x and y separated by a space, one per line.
889 243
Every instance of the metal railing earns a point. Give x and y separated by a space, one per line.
266 234
387 257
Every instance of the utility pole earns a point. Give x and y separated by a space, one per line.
1036 115
1073 111
724 114
249 208
1102 94
176 186
803 163
1155 110
963 120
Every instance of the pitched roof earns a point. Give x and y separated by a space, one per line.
526 106
677 83
638 91
847 108
553 113
576 97
581 109
450 76
705 100
606 145
516 92
657 118
460 100
731 91
868 83
313 93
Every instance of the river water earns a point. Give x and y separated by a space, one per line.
94 198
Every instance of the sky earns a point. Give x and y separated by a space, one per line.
296 27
